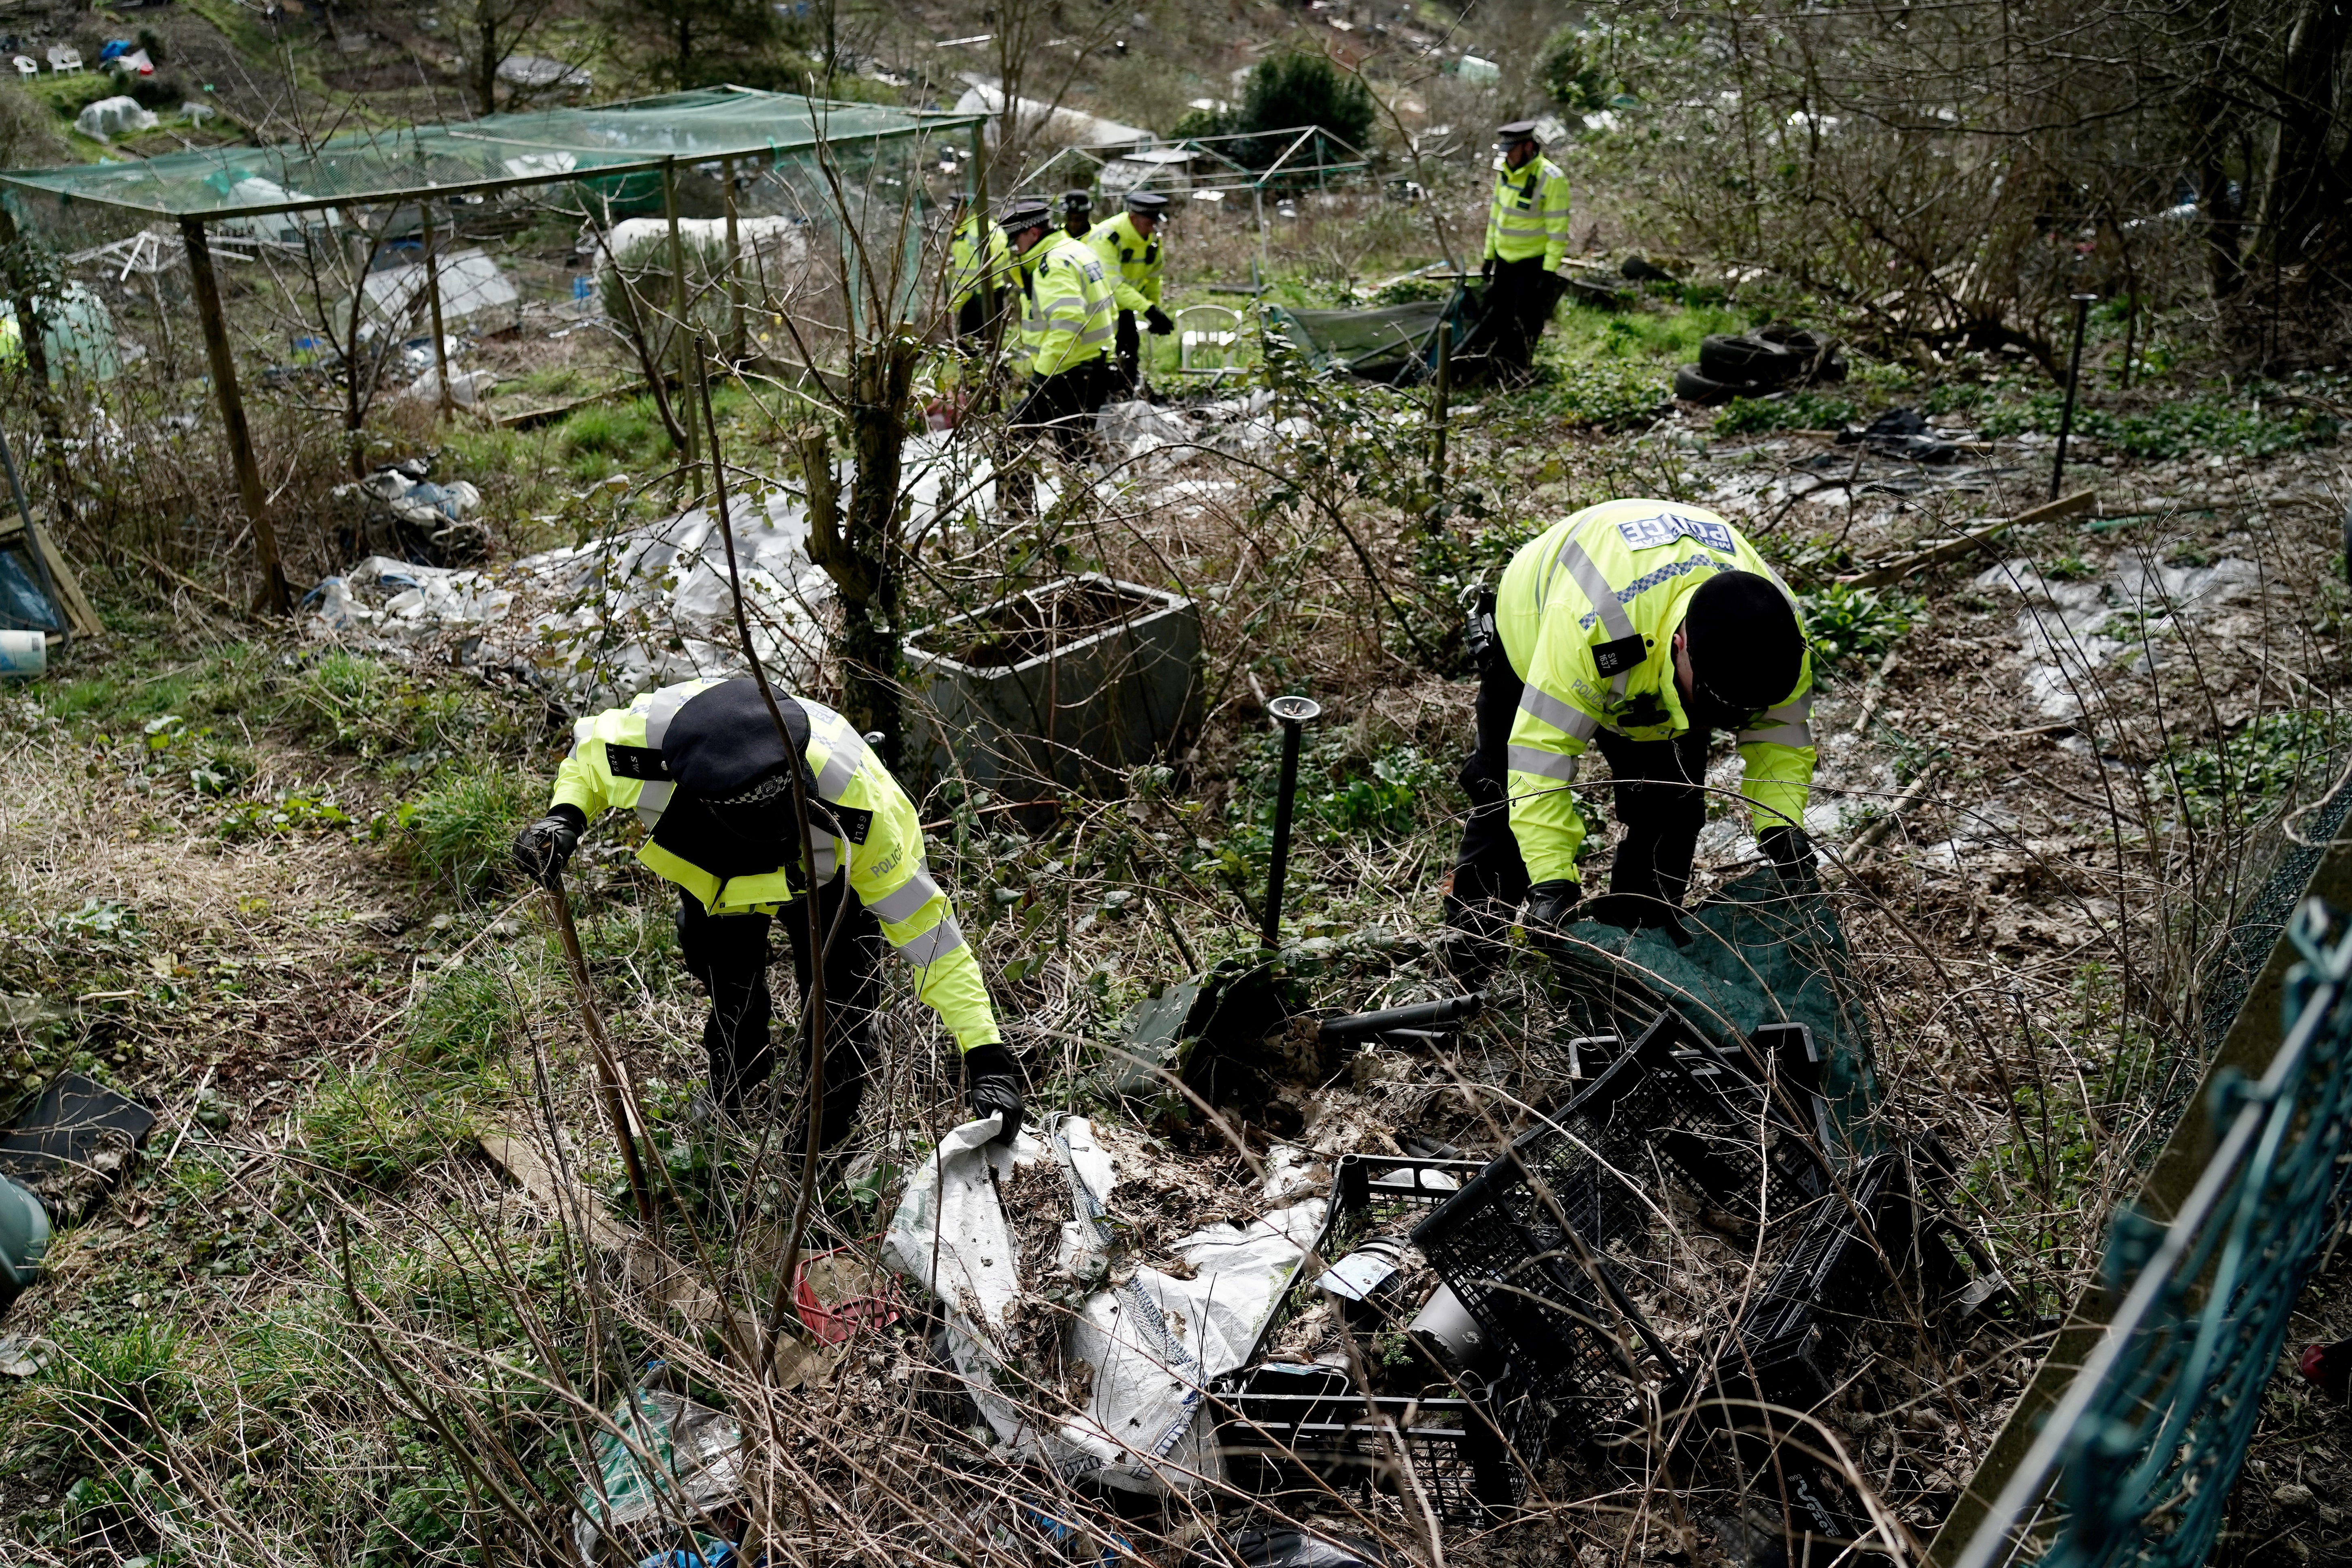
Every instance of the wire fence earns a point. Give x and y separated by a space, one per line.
2146 1444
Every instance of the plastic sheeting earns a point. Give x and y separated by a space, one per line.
1750 956
1156 1341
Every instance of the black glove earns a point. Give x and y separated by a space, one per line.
1486 270
545 847
1157 320
1792 854
1634 911
1551 907
991 1083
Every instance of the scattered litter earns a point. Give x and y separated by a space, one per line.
467 388
1154 1339
73 1143
471 282
1901 433
2076 635
22 1357
1292 1548
662 1458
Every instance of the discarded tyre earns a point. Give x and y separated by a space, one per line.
1691 386
1750 360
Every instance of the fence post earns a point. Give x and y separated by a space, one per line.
445 403
232 406
1439 398
680 340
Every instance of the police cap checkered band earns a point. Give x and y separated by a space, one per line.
1026 213
1150 201
1077 201
1517 131
774 787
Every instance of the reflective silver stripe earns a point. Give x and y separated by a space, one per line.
1614 619
1557 714
838 769
908 902
652 800
662 710
1783 726
933 945
1543 763
1096 334
824 857
1588 577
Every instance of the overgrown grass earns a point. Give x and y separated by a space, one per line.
459 831
1786 411
2253 770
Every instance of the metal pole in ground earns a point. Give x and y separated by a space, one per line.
2074 375
1291 713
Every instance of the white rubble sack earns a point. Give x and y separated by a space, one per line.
1156 1343
111 117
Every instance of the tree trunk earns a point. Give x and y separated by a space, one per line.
486 65
863 552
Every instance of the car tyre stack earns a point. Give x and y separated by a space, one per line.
1757 364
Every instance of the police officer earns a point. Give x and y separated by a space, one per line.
1130 246
981 274
1066 327
1527 238
1078 214
706 773
1644 626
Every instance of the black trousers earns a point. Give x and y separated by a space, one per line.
1518 307
1657 799
1127 357
1061 407
729 954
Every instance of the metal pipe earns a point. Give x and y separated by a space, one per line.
2073 373
1419 1015
1291 712
1440 396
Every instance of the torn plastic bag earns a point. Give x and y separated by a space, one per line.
1751 955
663 1462
950 1235
1292 1548
1156 1343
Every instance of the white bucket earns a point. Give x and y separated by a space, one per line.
24 653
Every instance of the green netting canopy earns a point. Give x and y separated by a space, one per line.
499 150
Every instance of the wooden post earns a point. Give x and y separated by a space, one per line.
433 288
734 270
231 406
680 340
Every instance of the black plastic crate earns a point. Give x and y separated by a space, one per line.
1795 1335
1297 1436
1368 1192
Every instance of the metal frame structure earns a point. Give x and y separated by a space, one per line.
558 147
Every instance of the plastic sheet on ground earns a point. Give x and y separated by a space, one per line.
1751 955
664 1460
621 615
1156 1341
647 605
2075 634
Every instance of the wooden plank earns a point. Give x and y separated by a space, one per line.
660 1276
273 589
524 418
1953 549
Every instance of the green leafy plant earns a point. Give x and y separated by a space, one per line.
2254 770
1572 71
1850 625
1789 411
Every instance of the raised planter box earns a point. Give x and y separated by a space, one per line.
1067 684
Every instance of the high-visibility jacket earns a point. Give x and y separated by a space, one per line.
1131 262
1068 315
886 871
1529 215
978 255
1571 603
